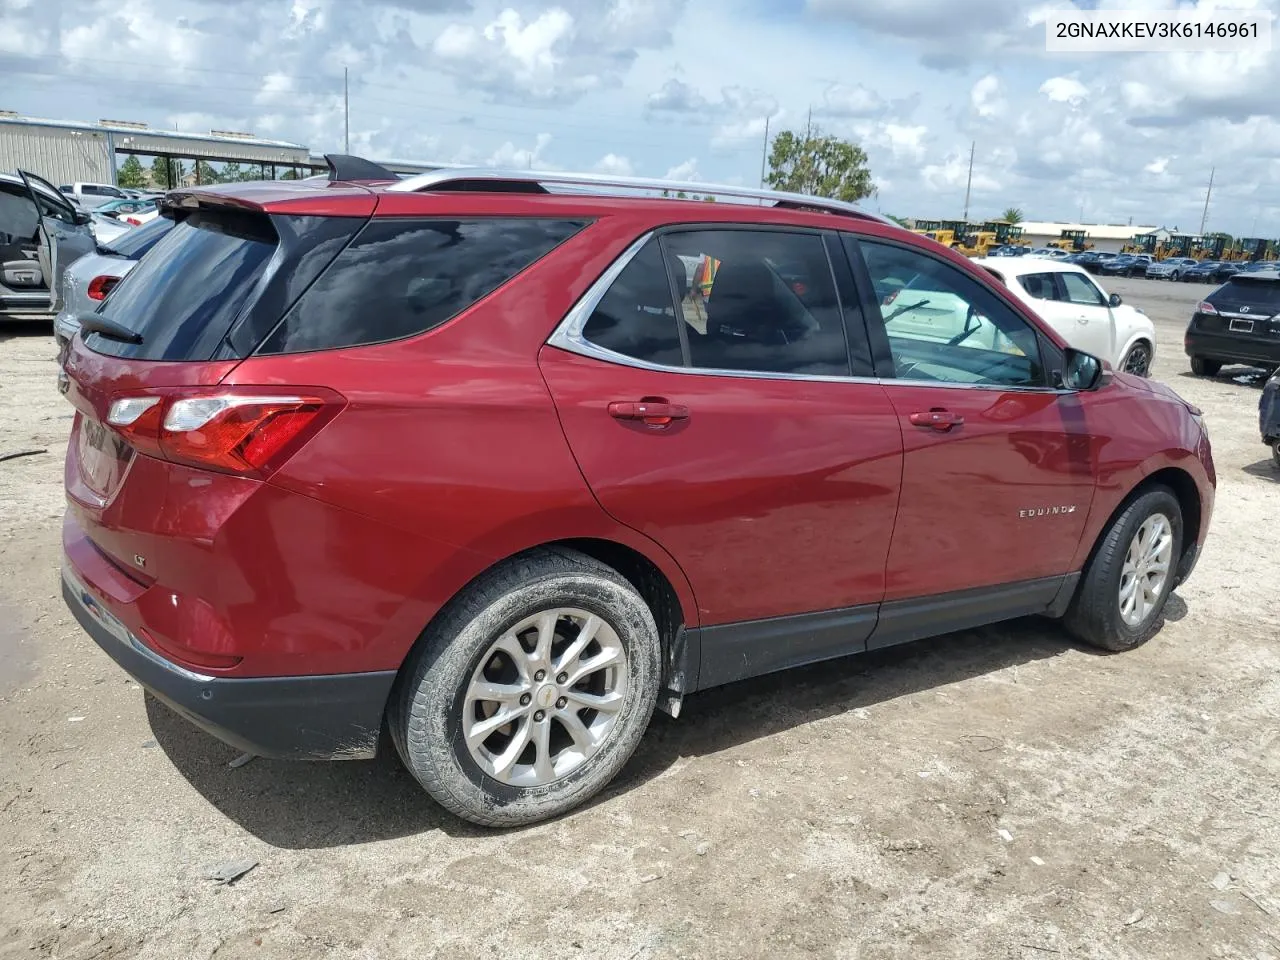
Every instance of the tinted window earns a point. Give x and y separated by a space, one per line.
944 326
1247 290
1039 285
137 242
759 301
185 295
637 316
402 277
17 216
1080 289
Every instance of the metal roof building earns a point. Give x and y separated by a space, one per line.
1103 236
67 151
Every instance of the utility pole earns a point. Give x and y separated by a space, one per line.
764 153
969 182
1207 194
808 124
346 113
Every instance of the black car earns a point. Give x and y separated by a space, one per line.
1269 416
1092 260
1211 271
1237 323
1125 265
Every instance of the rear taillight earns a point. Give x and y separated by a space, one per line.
246 431
99 287
1204 306
133 221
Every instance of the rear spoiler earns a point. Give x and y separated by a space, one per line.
345 167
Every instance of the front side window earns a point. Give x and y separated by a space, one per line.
1079 289
758 300
944 326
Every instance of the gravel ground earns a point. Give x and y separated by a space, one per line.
999 793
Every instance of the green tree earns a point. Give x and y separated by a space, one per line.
131 173
1013 215
900 221
289 174
160 173
205 172
231 172
819 165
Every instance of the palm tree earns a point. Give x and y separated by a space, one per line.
1013 215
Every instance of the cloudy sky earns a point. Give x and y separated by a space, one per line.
685 87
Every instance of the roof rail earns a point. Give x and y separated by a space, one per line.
344 167
480 179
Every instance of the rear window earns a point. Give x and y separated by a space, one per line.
399 278
184 297
135 243
1253 291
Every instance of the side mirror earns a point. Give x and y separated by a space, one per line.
1115 300
82 218
1081 371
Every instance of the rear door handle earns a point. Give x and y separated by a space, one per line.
940 420
656 413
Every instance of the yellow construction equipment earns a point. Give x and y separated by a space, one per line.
1252 249
1181 245
1210 248
1072 240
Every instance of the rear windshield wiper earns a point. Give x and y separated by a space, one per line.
106 327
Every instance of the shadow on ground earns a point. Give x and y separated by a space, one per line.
13 330
302 805
1266 469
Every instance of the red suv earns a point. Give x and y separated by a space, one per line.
501 462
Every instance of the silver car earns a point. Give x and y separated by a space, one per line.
1171 269
86 283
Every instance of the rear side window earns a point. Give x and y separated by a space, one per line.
637 316
399 278
184 297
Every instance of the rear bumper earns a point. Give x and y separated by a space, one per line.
1233 348
334 717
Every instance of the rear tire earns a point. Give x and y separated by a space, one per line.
1275 454
1120 601
1204 367
507 646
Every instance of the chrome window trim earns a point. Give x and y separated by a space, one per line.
568 336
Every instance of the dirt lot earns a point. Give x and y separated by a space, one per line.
1000 793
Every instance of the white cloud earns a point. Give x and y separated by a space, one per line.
985 98
905 142
615 165
840 100
510 157
1157 166
1064 90
688 170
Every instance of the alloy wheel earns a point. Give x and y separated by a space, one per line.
1138 360
544 697
1146 568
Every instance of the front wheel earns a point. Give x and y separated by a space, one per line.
531 691
1138 360
1275 454
1204 367
1122 594
1175 276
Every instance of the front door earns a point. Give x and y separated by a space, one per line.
997 467
710 401
1093 329
60 234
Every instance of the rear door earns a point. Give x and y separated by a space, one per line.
997 469
730 420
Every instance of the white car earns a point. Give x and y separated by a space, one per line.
1071 302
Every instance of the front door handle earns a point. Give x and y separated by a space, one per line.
940 420
656 413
